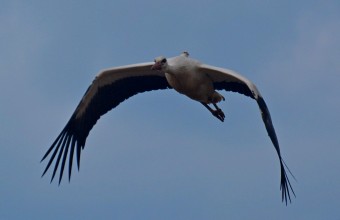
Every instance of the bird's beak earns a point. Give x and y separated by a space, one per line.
157 66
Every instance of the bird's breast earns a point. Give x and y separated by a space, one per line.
194 85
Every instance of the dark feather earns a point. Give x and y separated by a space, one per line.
234 87
77 129
241 88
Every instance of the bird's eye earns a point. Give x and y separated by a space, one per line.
164 60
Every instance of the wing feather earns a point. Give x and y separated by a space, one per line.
229 80
107 91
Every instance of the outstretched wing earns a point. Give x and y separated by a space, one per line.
108 90
229 80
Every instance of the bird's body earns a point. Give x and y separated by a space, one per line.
187 76
183 75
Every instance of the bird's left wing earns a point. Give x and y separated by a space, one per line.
108 90
224 79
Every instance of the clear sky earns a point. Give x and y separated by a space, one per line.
160 155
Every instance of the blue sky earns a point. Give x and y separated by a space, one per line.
160 155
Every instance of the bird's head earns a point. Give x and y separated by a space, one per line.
161 64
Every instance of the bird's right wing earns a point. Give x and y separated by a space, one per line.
108 90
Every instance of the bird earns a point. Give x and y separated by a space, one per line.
186 75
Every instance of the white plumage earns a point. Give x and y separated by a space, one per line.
190 77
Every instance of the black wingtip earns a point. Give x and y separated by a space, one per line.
73 143
78 155
63 150
285 186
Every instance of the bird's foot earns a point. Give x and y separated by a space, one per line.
218 113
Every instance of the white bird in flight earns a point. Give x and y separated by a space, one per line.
187 76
